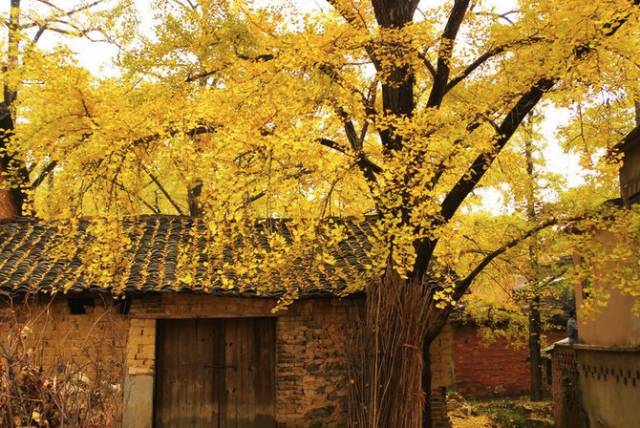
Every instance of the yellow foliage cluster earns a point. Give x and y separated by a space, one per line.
237 111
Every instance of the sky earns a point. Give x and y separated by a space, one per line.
98 57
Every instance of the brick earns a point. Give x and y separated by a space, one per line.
482 370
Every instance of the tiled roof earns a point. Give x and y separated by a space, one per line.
28 262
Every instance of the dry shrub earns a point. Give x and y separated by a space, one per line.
69 394
385 361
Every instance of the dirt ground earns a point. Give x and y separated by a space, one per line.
502 413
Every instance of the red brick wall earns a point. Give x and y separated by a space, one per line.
485 370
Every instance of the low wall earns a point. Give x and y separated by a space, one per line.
610 386
596 387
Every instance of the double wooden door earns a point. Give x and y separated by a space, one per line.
215 373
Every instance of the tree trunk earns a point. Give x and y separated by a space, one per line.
534 305
534 350
13 172
11 196
427 420
193 196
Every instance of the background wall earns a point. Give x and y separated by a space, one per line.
483 370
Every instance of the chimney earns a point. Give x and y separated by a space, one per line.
630 171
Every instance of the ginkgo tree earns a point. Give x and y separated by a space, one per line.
231 110
25 25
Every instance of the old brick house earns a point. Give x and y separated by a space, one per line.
201 355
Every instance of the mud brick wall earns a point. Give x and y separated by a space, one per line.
91 342
311 374
88 348
484 369
311 377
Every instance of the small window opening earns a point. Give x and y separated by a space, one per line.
79 305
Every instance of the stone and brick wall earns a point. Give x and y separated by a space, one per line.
567 402
484 369
92 341
83 348
311 373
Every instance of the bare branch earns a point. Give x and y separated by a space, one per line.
46 171
162 189
189 5
51 5
464 284
352 17
82 8
135 196
298 174
362 160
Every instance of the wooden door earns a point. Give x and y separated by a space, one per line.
214 373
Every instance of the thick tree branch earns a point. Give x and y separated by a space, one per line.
332 145
447 42
487 56
464 284
203 75
425 60
193 132
394 13
465 185
481 164
612 27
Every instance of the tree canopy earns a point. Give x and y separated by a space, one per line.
235 110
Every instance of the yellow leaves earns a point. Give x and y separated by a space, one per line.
328 259
103 256
608 259
186 278
227 102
